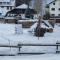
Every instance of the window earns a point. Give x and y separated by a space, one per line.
52 14
4 2
0 2
53 9
7 7
0 14
8 2
59 8
58 14
11 8
2 6
53 3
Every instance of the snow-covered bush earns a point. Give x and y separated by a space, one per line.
40 32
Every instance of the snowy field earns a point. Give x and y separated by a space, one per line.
9 36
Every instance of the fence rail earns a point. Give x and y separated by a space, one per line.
20 45
17 46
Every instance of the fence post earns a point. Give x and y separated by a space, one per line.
57 47
19 48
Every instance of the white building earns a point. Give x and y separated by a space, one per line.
54 8
6 5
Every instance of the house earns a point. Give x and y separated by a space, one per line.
22 15
22 10
54 10
5 6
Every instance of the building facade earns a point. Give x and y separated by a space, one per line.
5 6
54 8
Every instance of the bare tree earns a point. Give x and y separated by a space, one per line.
39 7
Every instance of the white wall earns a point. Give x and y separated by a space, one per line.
56 6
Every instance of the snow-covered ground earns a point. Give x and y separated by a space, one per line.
7 34
32 57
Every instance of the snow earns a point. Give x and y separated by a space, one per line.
8 36
33 27
24 6
29 20
10 28
4 0
35 57
50 26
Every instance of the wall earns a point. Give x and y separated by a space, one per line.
56 6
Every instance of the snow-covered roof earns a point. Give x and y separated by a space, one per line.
24 6
4 0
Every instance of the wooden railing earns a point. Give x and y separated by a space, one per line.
19 46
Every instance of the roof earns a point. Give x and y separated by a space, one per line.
19 11
22 10
24 6
4 0
52 2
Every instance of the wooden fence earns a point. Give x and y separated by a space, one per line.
19 46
